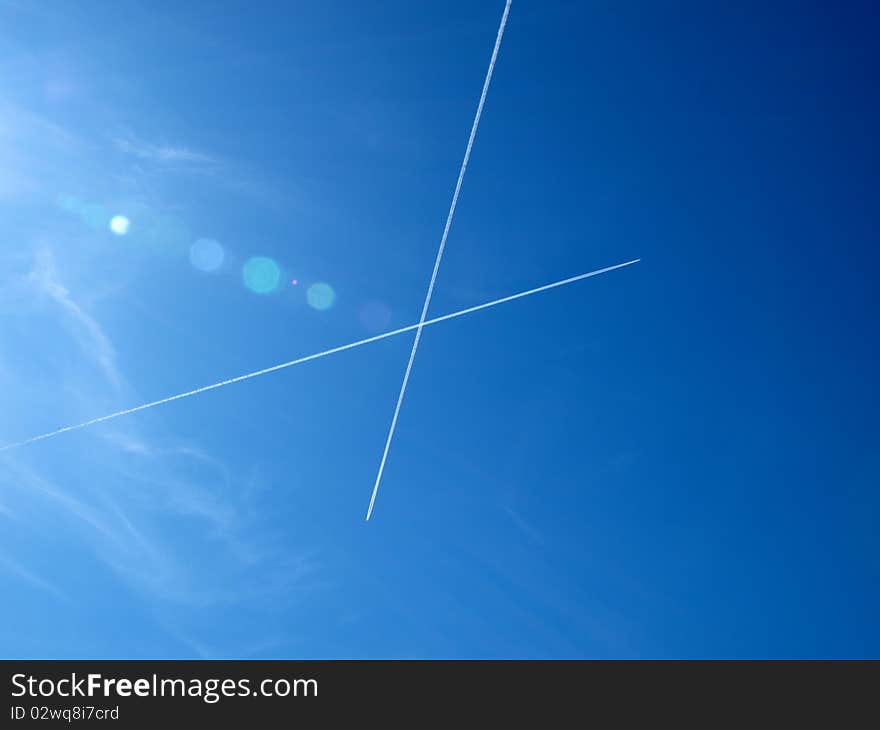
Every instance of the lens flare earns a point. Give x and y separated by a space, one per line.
261 275
320 296
375 316
119 224
206 254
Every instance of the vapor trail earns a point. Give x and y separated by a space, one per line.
316 355
415 346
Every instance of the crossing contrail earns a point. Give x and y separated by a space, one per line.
421 324
317 355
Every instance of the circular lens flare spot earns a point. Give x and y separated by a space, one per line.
261 275
375 316
206 254
320 296
119 224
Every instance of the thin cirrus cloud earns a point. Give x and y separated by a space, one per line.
83 327
145 488
129 518
37 153
20 571
149 163
122 501
164 153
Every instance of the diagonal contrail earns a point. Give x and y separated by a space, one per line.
418 337
315 356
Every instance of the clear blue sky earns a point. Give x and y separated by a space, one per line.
679 459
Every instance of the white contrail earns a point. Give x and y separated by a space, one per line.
317 355
418 337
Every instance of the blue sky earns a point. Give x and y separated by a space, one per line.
678 459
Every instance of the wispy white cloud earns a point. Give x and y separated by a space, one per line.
15 474
163 153
149 164
20 571
84 328
529 529
36 152
134 516
20 124
175 524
